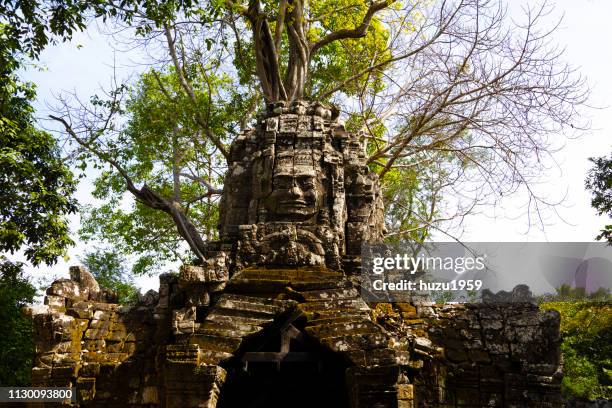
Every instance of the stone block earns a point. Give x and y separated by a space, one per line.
89 369
85 280
81 310
94 345
99 316
405 392
114 346
129 348
86 389
54 301
96 334
40 376
65 288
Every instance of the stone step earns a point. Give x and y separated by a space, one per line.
335 304
215 343
343 329
333 313
220 316
233 326
214 357
368 341
259 308
238 285
254 314
227 330
338 318
322 284
341 293
258 300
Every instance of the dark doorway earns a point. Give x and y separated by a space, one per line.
285 370
294 385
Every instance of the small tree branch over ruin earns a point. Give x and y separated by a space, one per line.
88 138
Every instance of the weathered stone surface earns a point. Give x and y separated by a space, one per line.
298 203
307 184
85 280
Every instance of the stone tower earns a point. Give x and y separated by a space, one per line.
274 317
298 192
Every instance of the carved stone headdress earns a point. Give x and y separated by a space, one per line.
298 192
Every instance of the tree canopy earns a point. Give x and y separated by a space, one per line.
599 181
457 105
36 185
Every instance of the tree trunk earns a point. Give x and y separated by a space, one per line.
184 226
299 51
267 55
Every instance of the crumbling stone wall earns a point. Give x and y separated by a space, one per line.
107 351
463 355
480 355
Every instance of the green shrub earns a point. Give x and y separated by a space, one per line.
16 345
586 327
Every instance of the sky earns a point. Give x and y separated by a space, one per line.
86 64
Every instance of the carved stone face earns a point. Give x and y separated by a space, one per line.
297 193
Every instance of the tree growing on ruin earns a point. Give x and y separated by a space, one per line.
457 104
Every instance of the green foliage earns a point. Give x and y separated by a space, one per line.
16 346
406 198
586 327
567 293
330 65
31 24
108 267
161 146
441 297
340 60
599 181
36 189
35 185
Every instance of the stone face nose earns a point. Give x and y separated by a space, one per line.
295 191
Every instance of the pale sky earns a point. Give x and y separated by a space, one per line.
586 33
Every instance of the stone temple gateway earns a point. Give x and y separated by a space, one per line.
274 318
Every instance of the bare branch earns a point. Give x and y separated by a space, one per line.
146 195
189 90
211 190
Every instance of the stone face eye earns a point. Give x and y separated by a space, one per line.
307 182
283 182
